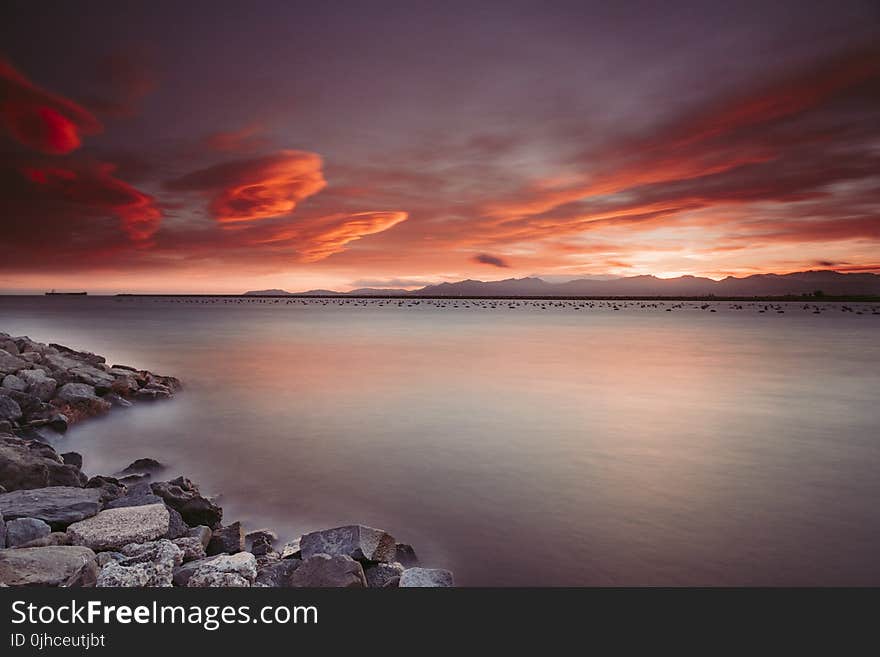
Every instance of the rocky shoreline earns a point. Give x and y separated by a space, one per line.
61 527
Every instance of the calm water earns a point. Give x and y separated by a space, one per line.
516 446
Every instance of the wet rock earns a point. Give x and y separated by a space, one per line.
9 409
111 489
44 566
73 458
381 575
25 530
114 528
191 546
425 577
39 383
143 465
406 555
184 496
13 382
32 464
229 540
277 574
242 564
326 571
58 506
356 541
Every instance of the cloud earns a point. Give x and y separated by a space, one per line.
41 120
258 188
487 259
389 283
123 80
245 138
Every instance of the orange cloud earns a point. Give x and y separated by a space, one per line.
41 120
259 188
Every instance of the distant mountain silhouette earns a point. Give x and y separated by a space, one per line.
827 282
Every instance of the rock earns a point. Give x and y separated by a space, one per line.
292 549
58 506
44 566
73 458
242 564
59 422
261 547
28 464
25 530
381 575
152 394
39 383
32 408
326 571
183 496
131 499
184 572
217 580
406 555
201 532
115 400
143 465
103 558
111 489
114 528
142 565
425 577
262 534
161 551
9 409
14 383
191 546
229 540
177 528
8 345
356 541
10 364
55 538
73 393
2 532
277 574
85 576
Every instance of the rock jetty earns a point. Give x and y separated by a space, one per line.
61 527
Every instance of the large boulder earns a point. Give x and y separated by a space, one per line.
137 495
58 565
356 541
10 364
406 555
184 496
58 506
425 577
9 409
73 393
33 464
39 383
227 540
114 528
210 571
25 530
328 571
13 382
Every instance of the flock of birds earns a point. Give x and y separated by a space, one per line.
537 304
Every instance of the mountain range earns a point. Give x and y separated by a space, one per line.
830 283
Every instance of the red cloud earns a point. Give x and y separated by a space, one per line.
41 120
259 188
95 189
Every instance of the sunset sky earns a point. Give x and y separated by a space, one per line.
221 147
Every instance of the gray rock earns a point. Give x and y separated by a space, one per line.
134 499
86 576
184 496
103 558
425 577
44 566
292 549
111 489
8 345
73 458
25 530
161 551
39 383
14 383
114 528
406 555
10 364
380 575
2 532
142 466
229 540
266 535
184 572
9 409
326 571
277 574
356 541
143 565
115 400
28 464
217 580
76 392
58 506
55 538
201 532
177 528
243 564
191 546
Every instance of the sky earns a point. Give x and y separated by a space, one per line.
228 146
